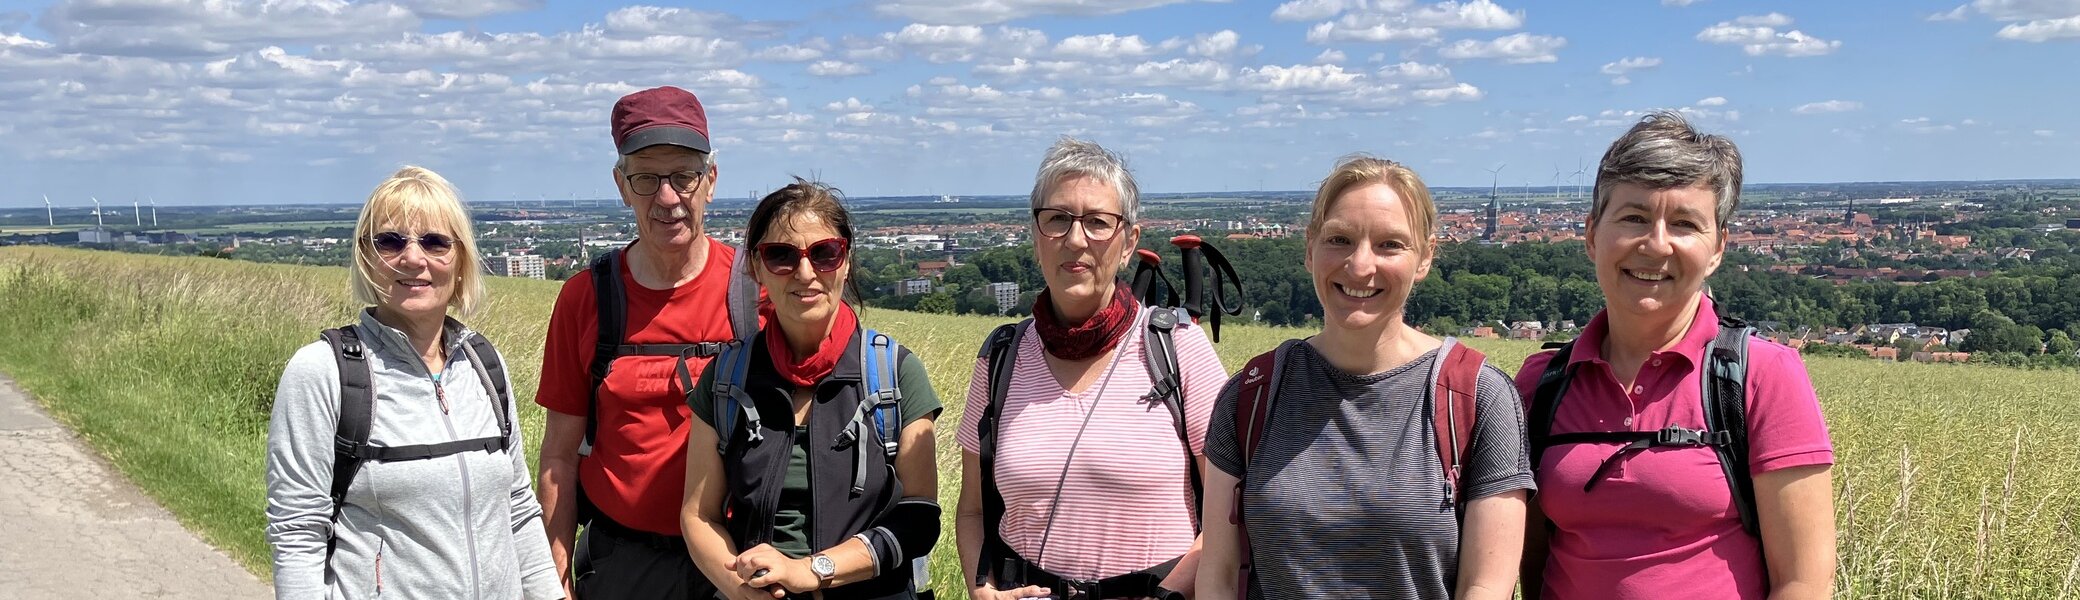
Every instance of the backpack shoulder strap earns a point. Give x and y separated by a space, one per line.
356 413
1726 409
879 362
1454 391
732 368
742 298
1000 350
611 305
492 369
1545 400
1159 346
1260 379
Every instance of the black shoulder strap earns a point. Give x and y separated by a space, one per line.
612 305
1545 400
492 369
1726 409
1159 343
1001 350
356 413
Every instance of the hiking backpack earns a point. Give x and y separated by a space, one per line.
611 300
1158 345
1725 413
1453 392
357 413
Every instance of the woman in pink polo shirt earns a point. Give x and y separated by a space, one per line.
1634 498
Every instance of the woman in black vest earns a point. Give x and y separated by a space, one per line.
810 471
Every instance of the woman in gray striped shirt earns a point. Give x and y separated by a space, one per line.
1342 480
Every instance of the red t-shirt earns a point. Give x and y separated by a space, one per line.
1663 523
637 471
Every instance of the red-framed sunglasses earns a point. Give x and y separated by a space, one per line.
781 258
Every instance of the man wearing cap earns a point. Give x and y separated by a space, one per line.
625 340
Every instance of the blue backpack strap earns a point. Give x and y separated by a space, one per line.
733 367
878 367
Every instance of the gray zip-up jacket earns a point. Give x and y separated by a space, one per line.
463 526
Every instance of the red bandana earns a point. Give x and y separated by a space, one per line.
808 371
1093 337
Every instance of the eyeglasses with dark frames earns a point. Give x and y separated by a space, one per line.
1098 226
646 184
781 258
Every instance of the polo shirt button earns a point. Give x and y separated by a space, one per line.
1639 389
1657 362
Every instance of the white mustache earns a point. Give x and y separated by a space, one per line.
677 212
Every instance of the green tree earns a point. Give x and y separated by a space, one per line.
2060 344
936 302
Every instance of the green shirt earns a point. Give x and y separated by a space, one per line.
791 518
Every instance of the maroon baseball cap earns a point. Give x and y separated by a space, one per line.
661 115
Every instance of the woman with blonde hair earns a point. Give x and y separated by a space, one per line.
1370 460
393 463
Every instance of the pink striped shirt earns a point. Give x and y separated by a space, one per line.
1125 502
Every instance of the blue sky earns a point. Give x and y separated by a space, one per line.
233 101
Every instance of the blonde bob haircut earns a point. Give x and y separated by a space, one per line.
1359 170
416 200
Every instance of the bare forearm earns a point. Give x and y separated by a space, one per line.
709 545
560 510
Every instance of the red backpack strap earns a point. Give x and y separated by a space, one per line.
1452 405
1253 397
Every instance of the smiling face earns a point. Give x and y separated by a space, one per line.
1080 272
1365 257
667 217
804 297
416 286
1654 249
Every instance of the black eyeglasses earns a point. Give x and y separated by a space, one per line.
781 258
391 243
1097 226
646 184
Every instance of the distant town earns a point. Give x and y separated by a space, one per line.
962 254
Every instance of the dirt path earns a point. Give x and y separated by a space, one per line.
71 527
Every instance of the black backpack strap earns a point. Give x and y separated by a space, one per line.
742 297
1545 401
1726 409
1001 350
356 414
1159 343
492 370
611 302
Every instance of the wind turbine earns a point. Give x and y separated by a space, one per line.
155 210
136 213
97 211
48 216
1578 171
1557 174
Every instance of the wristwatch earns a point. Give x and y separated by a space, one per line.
824 568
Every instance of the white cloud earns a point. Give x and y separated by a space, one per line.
849 105
1399 20
837 68
1758 36
1220 43
1522 48
168 28
467 9
1106 46
965 43
1576 119
986 12
1925 125
1309 10
2027 10
657 20
1955 14
2045 133
2042 30
1331 55
1828 106
1462 92
1679 3
1414 71
1302 78
788 53
1712 101
1630 64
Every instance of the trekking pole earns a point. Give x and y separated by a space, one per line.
1199 301
1147 271
1194 274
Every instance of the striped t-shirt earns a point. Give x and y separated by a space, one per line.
1126 493
1345 496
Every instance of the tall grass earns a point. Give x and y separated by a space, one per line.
1954 481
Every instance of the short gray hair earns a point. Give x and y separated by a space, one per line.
1664 152
1071 156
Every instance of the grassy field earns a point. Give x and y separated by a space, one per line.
1954 481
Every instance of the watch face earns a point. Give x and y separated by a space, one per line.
823 566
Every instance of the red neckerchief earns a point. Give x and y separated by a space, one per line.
1094 336
807 372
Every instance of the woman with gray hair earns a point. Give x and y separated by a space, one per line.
1093 404
1676 455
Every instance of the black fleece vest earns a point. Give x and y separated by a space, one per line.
757 470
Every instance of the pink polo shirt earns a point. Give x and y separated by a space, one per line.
1663 524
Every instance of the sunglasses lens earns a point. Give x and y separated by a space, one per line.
779 258
827 255
436 244
390 242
